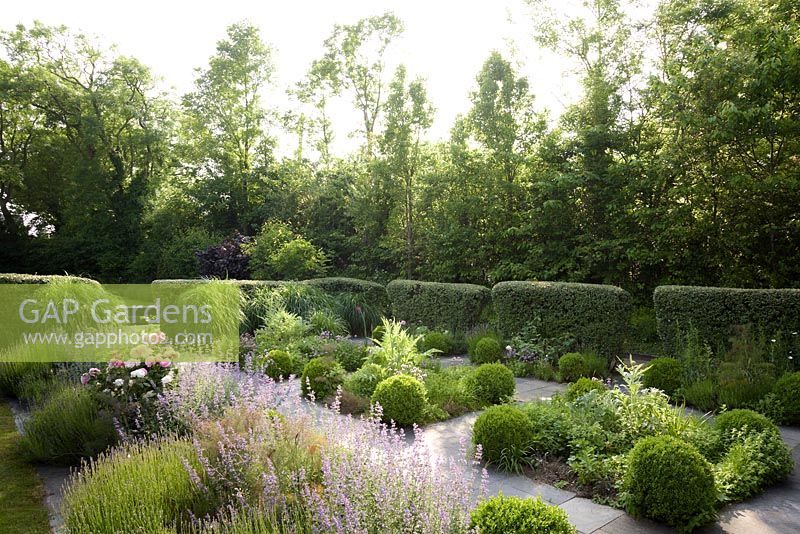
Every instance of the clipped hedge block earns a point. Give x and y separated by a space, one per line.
457 307
12 278
373 292
596 315
245 285
714 311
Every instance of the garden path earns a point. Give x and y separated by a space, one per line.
777 511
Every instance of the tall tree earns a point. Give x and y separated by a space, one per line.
110 128
354 60
227 139
408 115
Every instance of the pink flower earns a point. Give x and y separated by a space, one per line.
139 373
85 378
165 364
94 371
116 363
402 323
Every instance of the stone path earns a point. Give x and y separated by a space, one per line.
777 511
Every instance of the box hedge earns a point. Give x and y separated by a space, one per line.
596 315
456 307
12 278
714 311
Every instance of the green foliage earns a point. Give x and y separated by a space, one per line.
279 364
449 391
487 350
322 376
140 487
364 381
67 428
402 398
360 303
715 311
505 435
512 515
582 386
492 383
456 307
571 367
701 395
643 326
553 427
397 350
327 321
787 394
597 315
351 356
279 328
669 481
665 374
755 461
735 425
440 341
14 373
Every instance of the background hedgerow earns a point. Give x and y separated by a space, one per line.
596 315
715 311
455 307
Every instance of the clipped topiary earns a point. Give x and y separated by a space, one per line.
512 515
505 435
322 376
278 364
583 386
403 399
664 374
571 367
735 424
787 394
669 481
487 350
492 383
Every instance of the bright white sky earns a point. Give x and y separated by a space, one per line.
445 42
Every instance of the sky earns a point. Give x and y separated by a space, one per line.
445 42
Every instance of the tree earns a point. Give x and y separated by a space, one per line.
103 136
354 60
228 144
408 115
502 118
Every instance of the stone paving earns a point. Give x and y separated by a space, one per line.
777 511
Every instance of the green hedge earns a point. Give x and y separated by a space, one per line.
457 307
12 278
375 294
714 311
245 285
596 315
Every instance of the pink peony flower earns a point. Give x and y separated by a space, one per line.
116 363
139 373
165 364
85 378
94 371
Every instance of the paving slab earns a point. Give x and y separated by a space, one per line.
625 524
588 516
